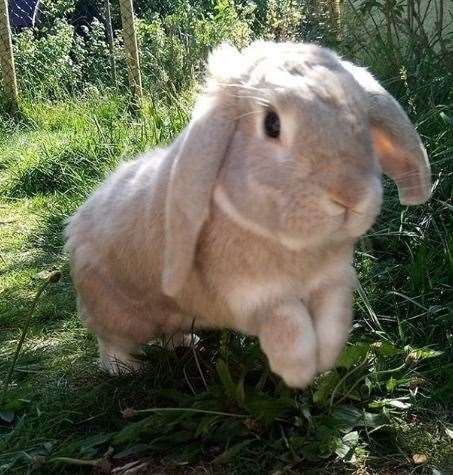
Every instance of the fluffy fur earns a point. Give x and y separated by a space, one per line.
228 227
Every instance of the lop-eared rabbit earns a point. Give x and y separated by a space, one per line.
248 220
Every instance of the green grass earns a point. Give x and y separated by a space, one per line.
216 408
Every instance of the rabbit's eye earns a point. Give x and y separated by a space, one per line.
272 125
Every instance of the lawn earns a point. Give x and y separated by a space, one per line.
387 407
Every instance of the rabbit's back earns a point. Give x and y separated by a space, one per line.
119 227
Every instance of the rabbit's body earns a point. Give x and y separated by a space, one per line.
232 283
228 227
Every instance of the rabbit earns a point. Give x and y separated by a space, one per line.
248 219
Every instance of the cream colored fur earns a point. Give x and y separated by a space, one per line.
228 227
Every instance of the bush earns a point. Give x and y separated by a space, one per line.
61 56
56 60
173 48
44 62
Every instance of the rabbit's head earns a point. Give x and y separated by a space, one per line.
291 142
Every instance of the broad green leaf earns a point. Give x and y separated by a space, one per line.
391 384
266 408
48 446
227 381
351 438
373 420
352 418
227 430
399 404
240 390
348 416
205 425
326 384
383 403
418 354
321 444
7 416
90 450
352 354
446 118
174 395
132 431
134 450
187 453
449 431
94 440
231 452
345 446
385 348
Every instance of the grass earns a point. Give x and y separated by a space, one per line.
385 408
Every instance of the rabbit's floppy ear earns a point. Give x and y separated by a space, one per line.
196 165
398 146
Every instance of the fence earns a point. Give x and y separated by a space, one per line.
7 58
16 16
50 48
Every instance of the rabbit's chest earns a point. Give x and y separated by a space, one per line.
245 297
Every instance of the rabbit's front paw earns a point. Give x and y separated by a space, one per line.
289 341
119 359
117 365
180 340
331 308
298 371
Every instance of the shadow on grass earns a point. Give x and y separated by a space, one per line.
68 171
42 252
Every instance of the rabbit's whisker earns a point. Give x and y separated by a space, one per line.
246 114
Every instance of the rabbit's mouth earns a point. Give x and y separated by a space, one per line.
355 213
356 223
338 208
348 214
350 220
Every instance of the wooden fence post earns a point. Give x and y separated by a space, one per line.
109 29
130 46
7 58
335 12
